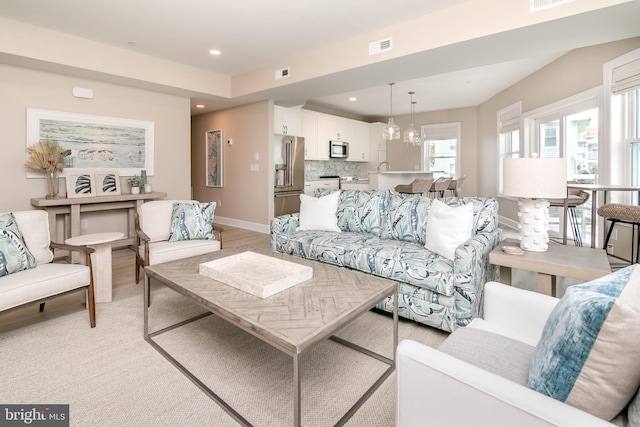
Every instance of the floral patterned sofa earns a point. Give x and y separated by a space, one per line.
384 233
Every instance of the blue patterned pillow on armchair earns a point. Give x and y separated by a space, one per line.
192 221
14 254
589 351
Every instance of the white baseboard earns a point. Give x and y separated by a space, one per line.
506 222
260 228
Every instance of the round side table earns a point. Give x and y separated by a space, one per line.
100 261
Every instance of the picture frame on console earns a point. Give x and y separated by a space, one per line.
213 158
108 183
81 183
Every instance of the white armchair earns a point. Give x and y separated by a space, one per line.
435 388
47 278
153 226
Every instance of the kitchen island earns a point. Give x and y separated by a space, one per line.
388 180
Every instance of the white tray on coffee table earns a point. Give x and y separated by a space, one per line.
257 274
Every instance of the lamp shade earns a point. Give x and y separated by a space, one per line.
535 178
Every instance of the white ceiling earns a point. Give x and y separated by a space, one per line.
255 33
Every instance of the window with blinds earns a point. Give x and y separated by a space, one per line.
508 135
624 87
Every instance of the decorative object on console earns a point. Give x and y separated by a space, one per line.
81 183
532 180
108 183
48 158
411 135
391 130
135 182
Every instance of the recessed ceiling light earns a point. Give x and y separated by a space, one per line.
215 52
199 106
353 99
132 44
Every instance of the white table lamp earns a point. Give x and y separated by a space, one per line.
533 180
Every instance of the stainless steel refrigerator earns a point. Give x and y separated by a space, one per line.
289 174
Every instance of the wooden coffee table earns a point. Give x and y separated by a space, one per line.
559 260
306 324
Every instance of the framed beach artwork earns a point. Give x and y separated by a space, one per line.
81 183
107 183
99 143
213 156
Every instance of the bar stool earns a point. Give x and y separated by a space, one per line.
439 186
626 214
574 198
455 185
417 186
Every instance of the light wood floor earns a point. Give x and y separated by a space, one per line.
124 285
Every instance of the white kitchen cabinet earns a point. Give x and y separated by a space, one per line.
324 135
341 129
310 187
309 131
377 145
375 136
319 128
355 185
286 121
359 143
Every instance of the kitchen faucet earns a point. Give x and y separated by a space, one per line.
384 163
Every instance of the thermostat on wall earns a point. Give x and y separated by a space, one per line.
230 141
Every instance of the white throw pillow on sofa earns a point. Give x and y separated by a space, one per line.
447 228
319 213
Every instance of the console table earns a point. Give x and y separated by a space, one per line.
72 208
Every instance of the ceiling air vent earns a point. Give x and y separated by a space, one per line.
380 46
536 5
283 73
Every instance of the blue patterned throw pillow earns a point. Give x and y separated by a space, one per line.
589 351
192 221
14 254
361 211
406 218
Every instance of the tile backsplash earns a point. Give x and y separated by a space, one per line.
314 169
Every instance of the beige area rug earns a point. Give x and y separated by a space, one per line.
110 376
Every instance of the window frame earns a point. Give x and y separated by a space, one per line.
441 129
508 122
619 129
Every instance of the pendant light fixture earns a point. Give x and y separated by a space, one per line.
412 136
391 130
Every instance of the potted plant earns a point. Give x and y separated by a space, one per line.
135 182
